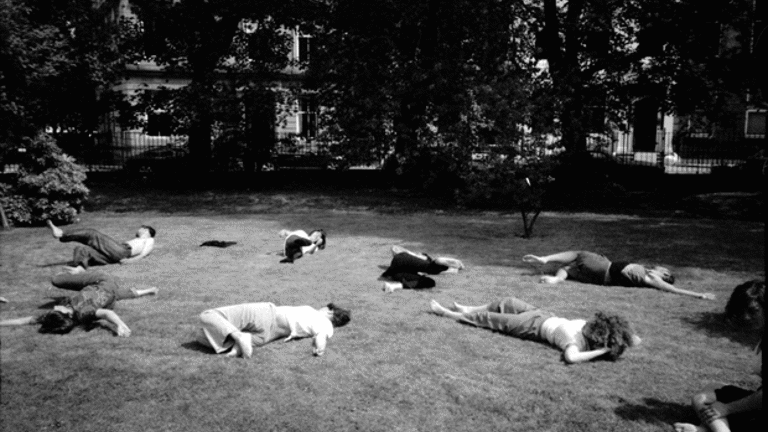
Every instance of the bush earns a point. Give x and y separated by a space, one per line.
49 185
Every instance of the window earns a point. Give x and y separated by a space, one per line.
754 124
307 117
304 48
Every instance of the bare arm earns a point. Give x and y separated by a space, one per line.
573 355
309 249
18 321
111 317
716 410
318 344
655 281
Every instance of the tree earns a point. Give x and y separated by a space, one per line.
401 75
231 68
55 60
605 55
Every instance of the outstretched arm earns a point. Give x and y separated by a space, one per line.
18 321
718 410
573 355
112 318
655 281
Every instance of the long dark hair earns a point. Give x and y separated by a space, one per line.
57 322
608 331
340 316
746 302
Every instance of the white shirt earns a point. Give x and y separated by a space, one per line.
305 321
562 332
141 246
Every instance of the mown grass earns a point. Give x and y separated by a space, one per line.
396 367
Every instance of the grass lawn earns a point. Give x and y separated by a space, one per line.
395 367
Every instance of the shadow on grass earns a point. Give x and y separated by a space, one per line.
56 264
714 325
194 346
654 411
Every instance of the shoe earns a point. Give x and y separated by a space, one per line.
390 287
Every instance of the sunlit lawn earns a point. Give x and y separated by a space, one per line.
396 367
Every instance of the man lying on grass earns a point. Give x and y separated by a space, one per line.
602 337
97 295
97 248
236 330
407 269
592 268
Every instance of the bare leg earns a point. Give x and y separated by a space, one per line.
56 231
470 309
442 311
700 402
399 249
146 292
687 427
391 286
562 257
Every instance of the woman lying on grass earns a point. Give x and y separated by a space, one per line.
298 243
602 337
723 408
407 269
236 330
97 295
592 268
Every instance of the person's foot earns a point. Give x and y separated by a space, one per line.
391 287
687 427
56 231
533 259
550 279
3 300
233 352
397 249
74 270
437 308
151 291
243 341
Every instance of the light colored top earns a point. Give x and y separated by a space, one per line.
562 332
140 246
304 321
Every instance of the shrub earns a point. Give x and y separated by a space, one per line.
517 182
49 185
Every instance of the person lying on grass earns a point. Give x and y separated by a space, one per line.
97 295
592 268
298 243
100 249
723 408
236 330
602 337
407 269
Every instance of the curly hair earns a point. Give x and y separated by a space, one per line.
746 303
57 322
611 331
340 316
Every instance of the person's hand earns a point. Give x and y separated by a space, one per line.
317 352
707 296
533 259
713 412
123 330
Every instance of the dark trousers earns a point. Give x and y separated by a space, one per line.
96 248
